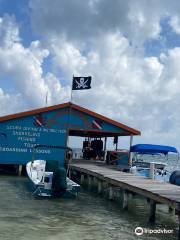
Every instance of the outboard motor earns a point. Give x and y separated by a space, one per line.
175 178
59 183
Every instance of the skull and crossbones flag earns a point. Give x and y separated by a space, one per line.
81 83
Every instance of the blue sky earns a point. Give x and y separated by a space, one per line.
167 39
131 50
20 9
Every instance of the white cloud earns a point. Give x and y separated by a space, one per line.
9 32
82 21
10 103
175 24
22 68
67 57
171 74
57 93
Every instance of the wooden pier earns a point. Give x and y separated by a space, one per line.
156 192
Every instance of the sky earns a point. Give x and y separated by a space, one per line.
130 48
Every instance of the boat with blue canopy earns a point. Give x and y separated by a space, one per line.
147 160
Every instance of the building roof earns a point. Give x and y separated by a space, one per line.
129 130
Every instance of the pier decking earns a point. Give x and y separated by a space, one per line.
154 191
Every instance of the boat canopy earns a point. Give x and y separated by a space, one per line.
152 149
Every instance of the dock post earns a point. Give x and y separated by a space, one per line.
99 187
70 174
104 156
152 169
94 180
171 210
152 216
82 179
19 170
179 225
111 193
177 212
125 200
89 182
130 196
130 153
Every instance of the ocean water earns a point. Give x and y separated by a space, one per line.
89 217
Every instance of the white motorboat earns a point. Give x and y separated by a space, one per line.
44 182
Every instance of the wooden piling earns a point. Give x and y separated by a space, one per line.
19 170
152 214
171 210
152 170
82 178
179 225
124 200
130 196
110 193
69 173
89 182
94 180
99 187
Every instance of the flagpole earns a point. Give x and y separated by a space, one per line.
69 112
71 95
46 99
72 89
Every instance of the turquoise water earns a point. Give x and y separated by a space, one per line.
89 217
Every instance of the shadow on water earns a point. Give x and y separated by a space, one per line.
88 217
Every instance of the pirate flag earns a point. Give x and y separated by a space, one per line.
81 83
